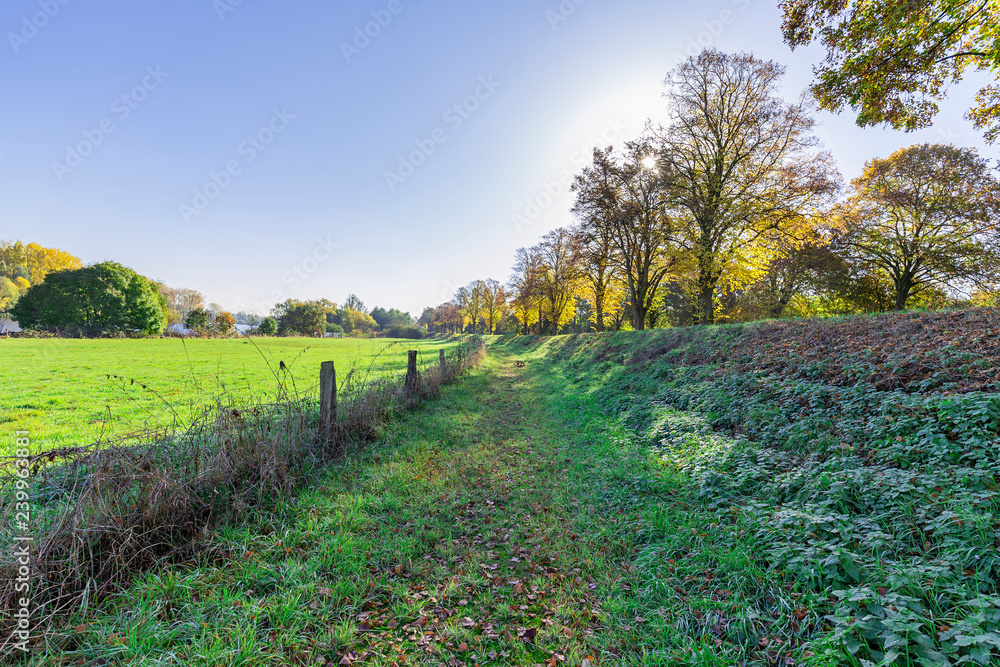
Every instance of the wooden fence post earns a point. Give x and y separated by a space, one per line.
444 366
327 398
411 374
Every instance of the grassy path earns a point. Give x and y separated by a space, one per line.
506 523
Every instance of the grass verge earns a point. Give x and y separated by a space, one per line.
100 515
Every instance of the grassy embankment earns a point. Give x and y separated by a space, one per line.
67 392
792 493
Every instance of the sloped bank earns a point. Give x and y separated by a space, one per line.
852 462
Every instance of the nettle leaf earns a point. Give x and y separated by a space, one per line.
991 638
981 655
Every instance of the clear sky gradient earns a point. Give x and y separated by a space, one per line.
258 150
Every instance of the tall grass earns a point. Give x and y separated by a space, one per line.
102 513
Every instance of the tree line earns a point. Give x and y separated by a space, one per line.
730 211
22 266
46 288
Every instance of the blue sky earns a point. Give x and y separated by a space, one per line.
257 151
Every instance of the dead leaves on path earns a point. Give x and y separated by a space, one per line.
499 578
483 625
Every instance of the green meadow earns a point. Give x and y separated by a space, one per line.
69 392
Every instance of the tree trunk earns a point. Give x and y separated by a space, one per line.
599 298
638 315
707 278
903 287
706 300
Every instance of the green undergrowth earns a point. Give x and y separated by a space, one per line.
871 511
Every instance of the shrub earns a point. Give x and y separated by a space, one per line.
306 319
267 327
102 297
404 331
224 323
198 319
334 328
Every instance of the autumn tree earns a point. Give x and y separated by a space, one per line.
892 60
448 318
595 249
354 303
794 270
558 276
927 217
737 161
625 195
471 302
22 266
526 288
224 323
495 304
9 294
354 321
180 302
33 262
